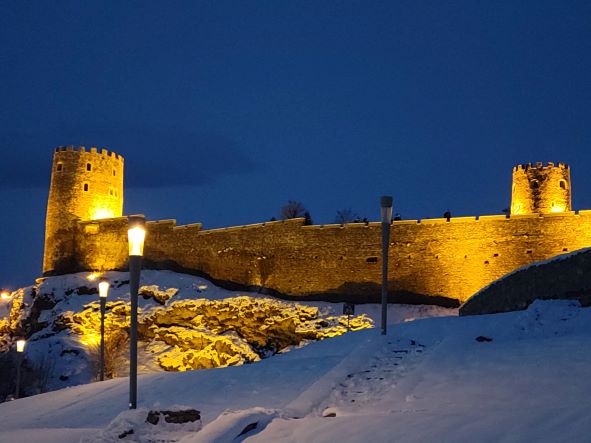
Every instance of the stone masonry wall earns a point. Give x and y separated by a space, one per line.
427 258
84 185
568 277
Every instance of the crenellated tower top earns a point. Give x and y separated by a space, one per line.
541 188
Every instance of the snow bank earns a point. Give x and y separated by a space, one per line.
234 426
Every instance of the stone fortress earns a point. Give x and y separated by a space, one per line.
443 261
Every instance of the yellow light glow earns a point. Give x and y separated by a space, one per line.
99 213
93 276
557 209
136 238
20 345
5 295
517 208
90 339
103 288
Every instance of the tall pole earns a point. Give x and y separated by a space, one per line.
20 350
135 266
386 213
136 234
19 360
103 304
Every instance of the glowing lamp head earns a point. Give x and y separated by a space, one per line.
103 288
20 345
136 235
5 295
386 208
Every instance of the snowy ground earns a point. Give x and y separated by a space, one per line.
524 379
186 323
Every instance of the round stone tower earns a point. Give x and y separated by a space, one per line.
85 185
541 189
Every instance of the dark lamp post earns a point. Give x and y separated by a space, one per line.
386 213
20 350
103 292
136 235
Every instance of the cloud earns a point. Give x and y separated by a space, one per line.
153 158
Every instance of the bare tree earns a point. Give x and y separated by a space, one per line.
116 347
293 209
347 215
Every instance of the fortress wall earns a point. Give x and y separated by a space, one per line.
430 257
102 244
541 188
84 185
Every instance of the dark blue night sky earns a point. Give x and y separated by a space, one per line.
225 110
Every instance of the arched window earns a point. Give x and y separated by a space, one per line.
85 187
88 167
563 184
535 184
59 167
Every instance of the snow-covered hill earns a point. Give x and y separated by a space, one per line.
514 377
185 323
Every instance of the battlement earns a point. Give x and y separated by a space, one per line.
541 188
170 224
451 257
540 165
93 151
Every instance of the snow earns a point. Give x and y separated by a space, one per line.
185 323
132 425
427 380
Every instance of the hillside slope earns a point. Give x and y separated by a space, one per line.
514 377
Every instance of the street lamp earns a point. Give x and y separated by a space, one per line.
136 235
103 292
386 212
5 295
20 350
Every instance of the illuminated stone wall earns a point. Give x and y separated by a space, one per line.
432 257
567 278
435 257
541 189
85 185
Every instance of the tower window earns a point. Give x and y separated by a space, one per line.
114 172
88 167
535 184
59 167
85 186
110 191
563 184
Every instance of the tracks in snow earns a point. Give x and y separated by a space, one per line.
380 376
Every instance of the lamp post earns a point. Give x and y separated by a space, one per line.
103 292
20 350
386 212
136 235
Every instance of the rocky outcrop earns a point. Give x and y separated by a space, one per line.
200 334
566 276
